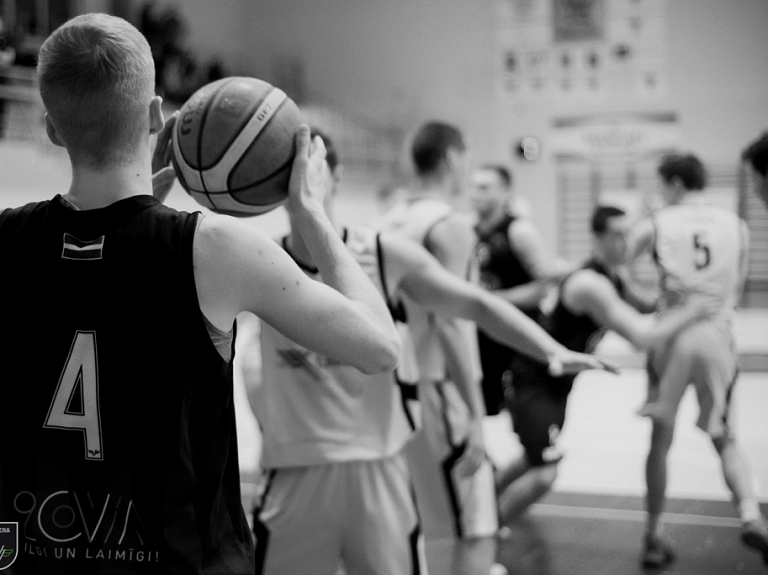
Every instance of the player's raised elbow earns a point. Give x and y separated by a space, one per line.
384 355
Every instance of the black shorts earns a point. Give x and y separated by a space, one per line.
537 402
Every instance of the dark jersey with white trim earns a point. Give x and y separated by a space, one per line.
578 333
499 268
118 452
498 264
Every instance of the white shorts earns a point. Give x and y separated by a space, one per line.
450 505
704 355
360 515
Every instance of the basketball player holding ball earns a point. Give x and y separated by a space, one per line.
453 477
121 457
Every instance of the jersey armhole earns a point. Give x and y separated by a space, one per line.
396 308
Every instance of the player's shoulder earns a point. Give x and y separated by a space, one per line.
583 287
229 238
522 229
24 218
454 222
24 210
398 248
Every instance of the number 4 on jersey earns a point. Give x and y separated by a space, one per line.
75 404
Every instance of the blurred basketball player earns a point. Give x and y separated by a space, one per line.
756 155
121 454
512 263
327 426
591 300
699 249
452 475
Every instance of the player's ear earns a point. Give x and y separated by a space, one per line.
452 158
53 135
156 119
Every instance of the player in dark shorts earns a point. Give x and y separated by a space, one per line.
511 263
591 300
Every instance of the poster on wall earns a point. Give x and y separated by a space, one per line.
581 50
576 20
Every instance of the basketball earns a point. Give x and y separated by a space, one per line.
233 146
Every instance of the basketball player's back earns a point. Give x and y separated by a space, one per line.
700 248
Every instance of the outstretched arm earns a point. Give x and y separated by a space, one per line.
422 279
592 294
239 269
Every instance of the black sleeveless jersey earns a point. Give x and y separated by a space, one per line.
579 332
576 332
499 266
118 451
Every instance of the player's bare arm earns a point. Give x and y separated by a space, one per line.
743 256
589 293
529 249
419 276
644 300
452 242
239 269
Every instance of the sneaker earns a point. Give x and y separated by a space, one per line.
754 533
657 552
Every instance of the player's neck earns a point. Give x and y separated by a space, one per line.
431 186
611 269
491 219
97 188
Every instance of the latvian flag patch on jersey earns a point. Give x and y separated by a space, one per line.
75 249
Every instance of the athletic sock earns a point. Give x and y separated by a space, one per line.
749 510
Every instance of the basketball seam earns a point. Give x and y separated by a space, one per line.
200 137
239 131
240 161
256 183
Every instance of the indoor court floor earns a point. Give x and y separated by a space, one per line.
592 523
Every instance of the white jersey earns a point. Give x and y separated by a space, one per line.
699 249
314 410
415 219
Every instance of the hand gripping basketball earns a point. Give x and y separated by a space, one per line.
307 185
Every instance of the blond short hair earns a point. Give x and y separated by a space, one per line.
97 78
